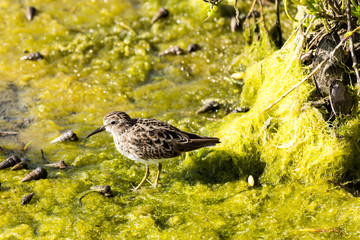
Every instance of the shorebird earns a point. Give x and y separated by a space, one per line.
150 141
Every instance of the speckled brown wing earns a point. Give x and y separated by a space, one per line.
161 140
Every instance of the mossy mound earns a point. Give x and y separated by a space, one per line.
292 139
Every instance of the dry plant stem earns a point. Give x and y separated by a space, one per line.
319 230
312 73
262 18
311 43
335 7
291 36
127 27
248 15
43 156
237 12
351 45
7 133
278 25
256 30
251 10
287 12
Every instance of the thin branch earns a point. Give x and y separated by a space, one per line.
351 45
287 12
291 36
248 15
262 18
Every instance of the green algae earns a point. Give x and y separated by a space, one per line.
94 65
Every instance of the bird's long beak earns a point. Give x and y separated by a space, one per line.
100 129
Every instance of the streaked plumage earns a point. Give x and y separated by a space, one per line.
150 141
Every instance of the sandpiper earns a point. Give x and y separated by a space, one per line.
150 141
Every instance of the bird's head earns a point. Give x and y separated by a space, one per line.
115 122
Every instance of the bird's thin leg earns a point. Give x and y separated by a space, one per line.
158 175
147 172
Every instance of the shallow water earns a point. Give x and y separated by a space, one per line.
102 56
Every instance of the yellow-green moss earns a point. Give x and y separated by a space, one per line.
94 65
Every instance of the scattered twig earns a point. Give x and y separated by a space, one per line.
250 10
279 41
354 191
262 18
43 156
287 12
351 44
237 12
127 27
103 190
319 230
213 2
8 133
315 38
249 14
334 7
292 35
28 144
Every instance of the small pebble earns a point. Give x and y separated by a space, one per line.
161 13
27 199
66 137
340 98
238 75
209 106
240 110
192 47
30 13
251 181
33 56
176 50
61 164
234 26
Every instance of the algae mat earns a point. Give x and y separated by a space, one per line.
101 56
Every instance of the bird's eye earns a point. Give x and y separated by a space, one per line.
113 123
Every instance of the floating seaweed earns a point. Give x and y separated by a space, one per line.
30 13
66 137
27 199
11 161
176 50
103 190
209 106
33 56
161 13
38 173
61 164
